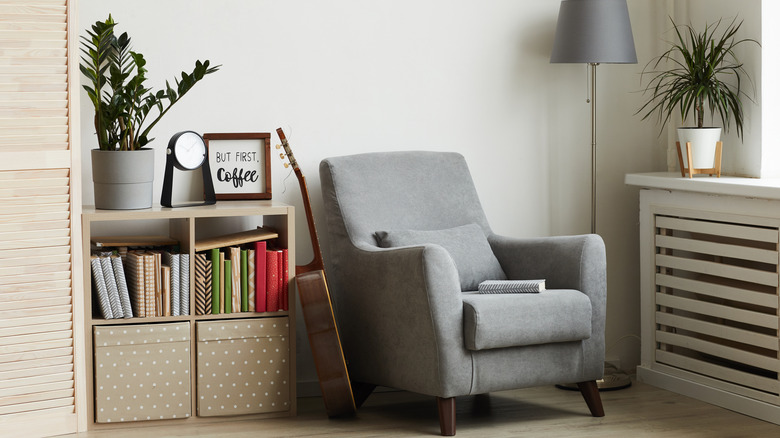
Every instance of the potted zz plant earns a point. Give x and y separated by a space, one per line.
126 110
704 74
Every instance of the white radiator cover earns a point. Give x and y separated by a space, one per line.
709 294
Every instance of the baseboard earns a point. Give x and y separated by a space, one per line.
734 402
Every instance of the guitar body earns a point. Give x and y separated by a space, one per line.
325 343
318 315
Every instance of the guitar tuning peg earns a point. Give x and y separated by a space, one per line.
281 156
278 146
286 165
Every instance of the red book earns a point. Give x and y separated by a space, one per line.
260 274
285 280
272 281
280 279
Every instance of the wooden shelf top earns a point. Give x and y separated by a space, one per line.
220 209
95 321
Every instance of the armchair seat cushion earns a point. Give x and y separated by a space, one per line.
514 320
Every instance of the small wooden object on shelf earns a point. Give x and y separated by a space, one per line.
690 171
111 241
235 239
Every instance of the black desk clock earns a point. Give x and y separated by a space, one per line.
187 151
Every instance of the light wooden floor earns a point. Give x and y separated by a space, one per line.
639 411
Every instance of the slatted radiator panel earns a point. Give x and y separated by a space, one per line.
717 302
37 366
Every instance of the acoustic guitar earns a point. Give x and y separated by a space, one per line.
318 312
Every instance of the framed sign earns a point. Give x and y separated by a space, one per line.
240 165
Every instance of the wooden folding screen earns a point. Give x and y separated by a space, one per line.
40 205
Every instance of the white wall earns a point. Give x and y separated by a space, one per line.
350 76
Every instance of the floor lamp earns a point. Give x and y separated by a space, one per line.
595 32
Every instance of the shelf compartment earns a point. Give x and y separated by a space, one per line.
243 366
142 372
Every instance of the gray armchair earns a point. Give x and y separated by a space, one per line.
403 263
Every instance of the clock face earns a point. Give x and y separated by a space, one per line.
190 150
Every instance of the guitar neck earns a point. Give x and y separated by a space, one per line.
317 263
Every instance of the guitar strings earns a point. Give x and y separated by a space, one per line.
284 181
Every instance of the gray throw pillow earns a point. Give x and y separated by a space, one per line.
466 244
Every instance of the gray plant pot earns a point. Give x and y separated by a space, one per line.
123 179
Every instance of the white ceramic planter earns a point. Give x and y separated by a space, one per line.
123 180
704 141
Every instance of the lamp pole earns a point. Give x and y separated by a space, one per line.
593 149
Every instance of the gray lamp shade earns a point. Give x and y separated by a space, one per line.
593 31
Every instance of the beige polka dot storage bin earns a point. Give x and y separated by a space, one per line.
243 366
142 372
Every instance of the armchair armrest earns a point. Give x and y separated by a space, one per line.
400 314
565 262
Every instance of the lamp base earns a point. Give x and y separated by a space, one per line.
613 379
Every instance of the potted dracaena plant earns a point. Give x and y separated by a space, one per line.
126 110
704 74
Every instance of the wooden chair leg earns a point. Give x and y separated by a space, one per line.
446 415
590 392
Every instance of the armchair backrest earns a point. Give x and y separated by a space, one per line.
370 192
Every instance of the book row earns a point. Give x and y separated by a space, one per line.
250 277
141 283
